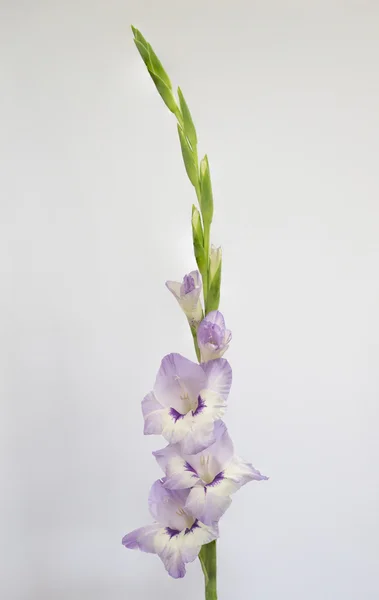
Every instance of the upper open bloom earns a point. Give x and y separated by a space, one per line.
187 400
213 474
187 294
212 336
175 536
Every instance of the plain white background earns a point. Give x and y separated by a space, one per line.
95 216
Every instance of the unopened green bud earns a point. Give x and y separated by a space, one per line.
198 240
188 158
206 191
188 126
215 266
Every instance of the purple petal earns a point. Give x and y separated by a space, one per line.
218 376
153 413
165 505
206 506
142 539
188 285
200 436
179 382
216 318
213 460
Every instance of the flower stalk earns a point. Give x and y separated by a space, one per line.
188 401
208 560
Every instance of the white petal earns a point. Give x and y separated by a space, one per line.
175 429
214 404
174 287
168 549
192 541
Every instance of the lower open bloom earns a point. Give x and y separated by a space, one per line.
176 536
187 400
213 475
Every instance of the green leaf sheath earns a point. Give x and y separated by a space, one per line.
198 240
208 560
206 191
188 125
188 157
213 299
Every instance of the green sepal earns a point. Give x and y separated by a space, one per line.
188 158
188 125
213 298
165 92
198 240
206 191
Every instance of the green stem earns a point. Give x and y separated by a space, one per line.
208 560
194 335
207 233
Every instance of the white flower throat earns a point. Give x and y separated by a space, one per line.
188 520
188 402
206 475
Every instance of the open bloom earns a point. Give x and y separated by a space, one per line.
175 536
213 475
187 400
187 294
212 336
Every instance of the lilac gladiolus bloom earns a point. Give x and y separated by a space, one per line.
187 294
213 475
176 537
187 400
212 336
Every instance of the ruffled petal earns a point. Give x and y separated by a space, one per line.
168 550
142 538
177 549
237 473
193 539
153 413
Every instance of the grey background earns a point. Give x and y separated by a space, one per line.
95 210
